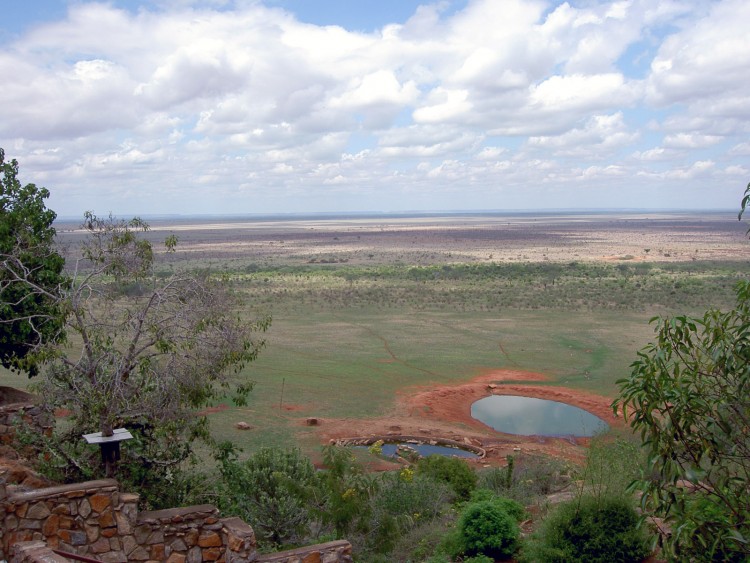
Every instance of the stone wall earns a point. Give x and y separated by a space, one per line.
34 552
96 520
31 414
331 552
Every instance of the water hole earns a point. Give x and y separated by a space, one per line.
424 450
529 416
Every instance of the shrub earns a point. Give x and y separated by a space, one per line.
590 529
419 499
453 471
270 490
510 506
401 503
479 559
428 542
529 478
487 529
612 465
347 491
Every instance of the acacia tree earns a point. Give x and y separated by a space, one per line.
689 397
144 352
31 273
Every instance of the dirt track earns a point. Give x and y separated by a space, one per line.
445 411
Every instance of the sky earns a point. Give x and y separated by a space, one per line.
191 107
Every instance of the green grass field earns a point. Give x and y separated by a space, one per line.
352 363
346 339
336 351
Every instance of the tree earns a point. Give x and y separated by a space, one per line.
31 273
689 397
146 351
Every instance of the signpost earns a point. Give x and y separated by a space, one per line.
110 446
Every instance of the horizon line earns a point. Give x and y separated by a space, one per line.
414 212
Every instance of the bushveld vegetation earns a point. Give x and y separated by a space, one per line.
583 319
575 286
413 323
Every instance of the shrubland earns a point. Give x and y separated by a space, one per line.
574 286
155 343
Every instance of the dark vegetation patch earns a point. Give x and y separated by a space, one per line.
578 286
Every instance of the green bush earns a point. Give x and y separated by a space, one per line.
271 491
347 491
419 497
513 508
529 478
453 471
487 529
402 503
427 542
612 465
589 529
479 559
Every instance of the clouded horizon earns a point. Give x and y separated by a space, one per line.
291 106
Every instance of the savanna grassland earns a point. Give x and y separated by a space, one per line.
369 311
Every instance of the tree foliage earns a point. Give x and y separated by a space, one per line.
31 273
689 397
145 352
273 490
453 471
486 528
150 349
589 529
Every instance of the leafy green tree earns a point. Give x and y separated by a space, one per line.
689 397
147 351
31 273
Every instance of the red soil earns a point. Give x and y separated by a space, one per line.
445 411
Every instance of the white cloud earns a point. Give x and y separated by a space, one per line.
600 135
690 140
741 149
655 154
196 106
705 64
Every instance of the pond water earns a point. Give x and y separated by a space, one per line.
425 450
536 417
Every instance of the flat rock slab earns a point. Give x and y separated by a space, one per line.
11 395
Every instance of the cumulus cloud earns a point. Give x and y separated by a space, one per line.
193 104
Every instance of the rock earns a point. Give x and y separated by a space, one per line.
312 422
242 426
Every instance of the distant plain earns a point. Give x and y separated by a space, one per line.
370 310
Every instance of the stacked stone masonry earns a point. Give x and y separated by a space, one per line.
96 520
32 415
34 552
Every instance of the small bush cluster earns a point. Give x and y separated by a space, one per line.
526 478
592 530
453 471
487 529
